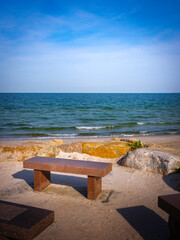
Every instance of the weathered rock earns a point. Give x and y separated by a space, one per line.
130 140
116 139
23 152
57 142
52 149
63 147
154 161
105 150
83 156
69 148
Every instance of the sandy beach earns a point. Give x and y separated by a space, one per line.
126 208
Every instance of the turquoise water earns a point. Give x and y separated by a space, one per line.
45 115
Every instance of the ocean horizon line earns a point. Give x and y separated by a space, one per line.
90 92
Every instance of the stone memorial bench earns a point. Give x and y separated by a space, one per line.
23 222
171 205
44 165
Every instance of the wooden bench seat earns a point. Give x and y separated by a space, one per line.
44 165
171 205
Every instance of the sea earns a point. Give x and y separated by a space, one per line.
82 115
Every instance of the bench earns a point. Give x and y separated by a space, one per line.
171 205
44 165
19 221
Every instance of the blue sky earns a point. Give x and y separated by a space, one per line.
90 46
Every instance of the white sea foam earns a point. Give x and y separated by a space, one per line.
140 123
127 135
61 134
52 136
172 132
89 128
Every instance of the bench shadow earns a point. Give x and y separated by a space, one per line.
78 183
172 180
146 222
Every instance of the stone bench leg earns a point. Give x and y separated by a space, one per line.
94 187
174 228
41 179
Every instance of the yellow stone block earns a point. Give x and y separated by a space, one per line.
105 150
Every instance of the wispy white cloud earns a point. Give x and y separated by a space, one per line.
51 23
85 15
125 14
84 52
109 68
79 27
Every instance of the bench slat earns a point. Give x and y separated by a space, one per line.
98 169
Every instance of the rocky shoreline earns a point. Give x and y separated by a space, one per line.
151 157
